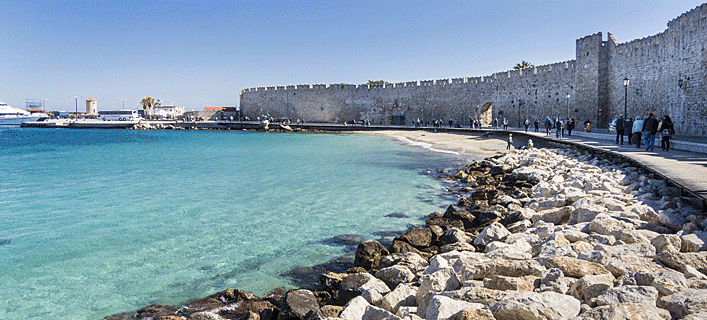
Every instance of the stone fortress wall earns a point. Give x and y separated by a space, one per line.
667 72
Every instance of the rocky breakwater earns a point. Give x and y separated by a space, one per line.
536 234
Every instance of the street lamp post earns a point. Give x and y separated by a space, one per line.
568 106
626 98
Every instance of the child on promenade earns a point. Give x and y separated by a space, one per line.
510 141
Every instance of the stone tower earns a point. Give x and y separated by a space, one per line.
91 106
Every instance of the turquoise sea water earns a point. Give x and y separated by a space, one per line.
95 222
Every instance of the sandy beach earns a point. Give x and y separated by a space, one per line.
473 147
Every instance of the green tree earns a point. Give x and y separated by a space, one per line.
376 82
523 65
149 102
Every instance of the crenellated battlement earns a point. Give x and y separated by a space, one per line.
666 72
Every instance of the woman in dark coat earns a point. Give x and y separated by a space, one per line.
667 130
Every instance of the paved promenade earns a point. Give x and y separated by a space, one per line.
683 168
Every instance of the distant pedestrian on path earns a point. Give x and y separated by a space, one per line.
558 128
527 124
636 131
667 128
537 124
510 141
548 126
505 124
650 128
620 129
570 126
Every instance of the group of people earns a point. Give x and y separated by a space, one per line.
558 124
650 129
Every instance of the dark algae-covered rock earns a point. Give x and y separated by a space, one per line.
369 254
298 305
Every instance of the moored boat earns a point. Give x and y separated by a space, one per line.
15 116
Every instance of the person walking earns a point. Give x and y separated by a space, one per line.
505 124
558 128
650 128
570 126
667 129
510 141
527 124
537 124
620 129
548 126
636 131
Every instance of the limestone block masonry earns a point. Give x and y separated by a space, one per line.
667 72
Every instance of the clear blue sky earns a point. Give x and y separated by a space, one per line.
202 53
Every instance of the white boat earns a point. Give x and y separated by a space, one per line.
14 116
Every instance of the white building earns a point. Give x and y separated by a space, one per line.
91 106
167 112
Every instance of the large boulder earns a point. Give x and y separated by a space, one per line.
669 281
620 266
298 305
455 235
585 213
403 295
552 280
684 302
531 306
354 309
418 237
508 283
440 307
395 275
375 313
504 267
551 248
411 260
693 242
369 254
627 311
592 286
607 225
494 232
441 280
473 314
575 268
465 217
364 284
678 260
669 242
628 294
518 250
556 216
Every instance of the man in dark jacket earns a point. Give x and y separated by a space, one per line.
620 129
650 127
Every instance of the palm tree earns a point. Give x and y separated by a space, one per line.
523 65
148 103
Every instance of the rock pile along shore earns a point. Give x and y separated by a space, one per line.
536 234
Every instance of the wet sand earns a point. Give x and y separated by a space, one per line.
470 146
